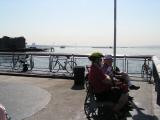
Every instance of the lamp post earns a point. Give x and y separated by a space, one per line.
115 27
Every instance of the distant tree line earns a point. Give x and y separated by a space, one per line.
9 43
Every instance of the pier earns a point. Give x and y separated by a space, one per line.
47 95
32 98
57 64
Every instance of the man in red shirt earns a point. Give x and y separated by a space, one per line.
102 84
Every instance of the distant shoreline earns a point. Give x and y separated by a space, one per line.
110 47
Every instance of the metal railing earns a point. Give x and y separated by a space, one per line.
145 66
156 76
49 62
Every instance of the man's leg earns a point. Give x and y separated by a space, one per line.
123 100
127 80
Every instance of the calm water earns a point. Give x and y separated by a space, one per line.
134 66
120 51
42 63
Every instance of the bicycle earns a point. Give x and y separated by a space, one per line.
55 65
22 63
146 71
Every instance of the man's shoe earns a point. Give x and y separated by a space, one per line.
133 87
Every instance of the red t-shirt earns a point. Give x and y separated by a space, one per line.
96 76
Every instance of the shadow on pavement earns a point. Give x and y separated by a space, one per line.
142 116
77 87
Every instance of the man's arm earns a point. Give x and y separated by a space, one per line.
108 80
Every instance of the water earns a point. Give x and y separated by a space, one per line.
42 63
119 51
134 66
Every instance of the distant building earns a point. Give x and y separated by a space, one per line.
7 43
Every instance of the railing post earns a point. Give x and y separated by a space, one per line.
125 63
127 66
31 62
13 61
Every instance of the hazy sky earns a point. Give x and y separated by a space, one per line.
81 22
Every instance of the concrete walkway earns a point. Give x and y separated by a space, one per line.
144 102
32 98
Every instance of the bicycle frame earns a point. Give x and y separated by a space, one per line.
63 67
21 62
56 65
146 71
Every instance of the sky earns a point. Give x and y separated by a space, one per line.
81 22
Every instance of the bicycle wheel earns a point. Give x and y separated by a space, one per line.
146 72
90 107
14 63
18 66
70 65
55 66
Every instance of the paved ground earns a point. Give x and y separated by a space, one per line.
145 102
23 99
31 98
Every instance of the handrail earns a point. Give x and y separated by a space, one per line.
125 63
67 54
74 57
156 76
156 72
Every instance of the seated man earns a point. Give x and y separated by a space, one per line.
108 69
102 84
